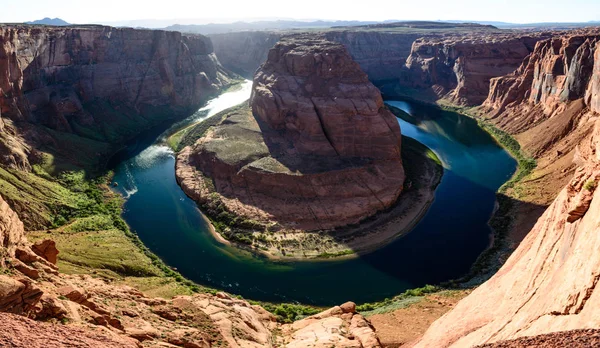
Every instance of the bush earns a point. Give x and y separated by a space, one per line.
590 185
289 312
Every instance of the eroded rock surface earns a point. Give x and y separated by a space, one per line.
318 150
459 68
559 70
101 83
548 104
97 312
339 326
549 284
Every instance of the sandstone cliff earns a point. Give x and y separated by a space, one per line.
549 104
317 150
100 83
459 68
380 54
549 283
243 52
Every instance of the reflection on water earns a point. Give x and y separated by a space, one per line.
443 245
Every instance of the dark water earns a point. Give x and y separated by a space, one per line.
442 246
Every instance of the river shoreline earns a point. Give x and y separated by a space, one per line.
423 171
504 213
169 222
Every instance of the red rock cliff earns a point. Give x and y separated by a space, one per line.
319 149
102 83
315 94
549 283
460 67
559 70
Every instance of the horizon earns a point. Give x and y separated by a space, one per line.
532 11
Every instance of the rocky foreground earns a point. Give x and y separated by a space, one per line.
316 150
94 312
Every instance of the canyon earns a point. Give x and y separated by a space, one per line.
315 150
100 85
316 125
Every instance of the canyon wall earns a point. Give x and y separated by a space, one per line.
459 68
381 55
549 283
318 150
243 52
559 70
101 83
549 104
434 63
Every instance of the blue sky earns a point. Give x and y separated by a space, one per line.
517 11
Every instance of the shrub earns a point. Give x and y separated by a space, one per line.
590 185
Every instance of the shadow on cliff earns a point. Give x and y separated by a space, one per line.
452 241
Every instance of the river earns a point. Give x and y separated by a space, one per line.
442 246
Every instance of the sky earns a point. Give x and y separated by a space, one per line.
202 11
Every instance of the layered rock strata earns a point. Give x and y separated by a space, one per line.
459 68
380 50
549 283
103 84
317 150
550 104
559 70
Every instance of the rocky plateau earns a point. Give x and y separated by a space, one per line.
315 150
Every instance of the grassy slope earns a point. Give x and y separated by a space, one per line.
83 217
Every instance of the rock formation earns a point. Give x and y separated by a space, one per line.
559 70
318 150
549 104
101 83
549 283
459 68
96 312
381 52
243 52
339 326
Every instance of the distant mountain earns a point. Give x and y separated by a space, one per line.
426 25
551 25
49 21
541 25
217 28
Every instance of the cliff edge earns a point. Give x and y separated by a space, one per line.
317 150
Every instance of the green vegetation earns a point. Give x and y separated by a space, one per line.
590 185
326 255
526 164
288 312
398 301
85 218
410 144
188 135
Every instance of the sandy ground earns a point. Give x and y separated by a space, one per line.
402 326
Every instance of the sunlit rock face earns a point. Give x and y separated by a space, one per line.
549 283
315 150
